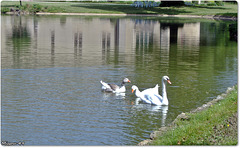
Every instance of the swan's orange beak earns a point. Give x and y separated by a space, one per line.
169 81
132 90
129 81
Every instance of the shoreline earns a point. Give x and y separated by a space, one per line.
183 117
214 17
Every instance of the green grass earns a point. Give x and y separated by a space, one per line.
228 9
213 126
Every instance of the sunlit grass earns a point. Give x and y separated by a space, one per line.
228 9
209 127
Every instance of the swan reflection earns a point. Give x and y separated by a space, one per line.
164 114
152 108
107 95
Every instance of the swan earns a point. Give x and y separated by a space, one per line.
115 88
150 96
152 90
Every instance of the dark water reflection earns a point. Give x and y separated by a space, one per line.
51 68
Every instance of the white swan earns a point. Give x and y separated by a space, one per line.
152 90
113 87
150 96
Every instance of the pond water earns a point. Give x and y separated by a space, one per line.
52 65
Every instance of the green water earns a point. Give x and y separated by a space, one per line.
52 65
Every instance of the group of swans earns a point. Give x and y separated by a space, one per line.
149 96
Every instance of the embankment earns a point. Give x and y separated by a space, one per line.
214 123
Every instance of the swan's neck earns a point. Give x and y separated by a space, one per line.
122 88
164 93
123 83
137 92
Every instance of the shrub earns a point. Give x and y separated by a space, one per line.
5 10
37 8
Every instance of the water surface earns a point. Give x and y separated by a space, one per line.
52 65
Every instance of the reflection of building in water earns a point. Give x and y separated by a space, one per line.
90 37
145 31
164 38
124 35
164 45
189 35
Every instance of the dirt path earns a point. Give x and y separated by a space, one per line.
153 15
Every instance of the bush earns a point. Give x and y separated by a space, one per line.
37 8
219 3
211 4
4 10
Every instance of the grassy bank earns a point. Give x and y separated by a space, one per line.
216 125
228 9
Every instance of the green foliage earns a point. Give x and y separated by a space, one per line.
54 9
209 127
37 7
211 4
34 8
17 6
122 7
219 3
5 10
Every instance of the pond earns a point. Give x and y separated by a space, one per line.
52 65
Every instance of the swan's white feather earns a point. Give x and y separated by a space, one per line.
105 85
151 95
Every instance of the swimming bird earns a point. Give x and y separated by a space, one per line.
115 88
152 90
150 96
